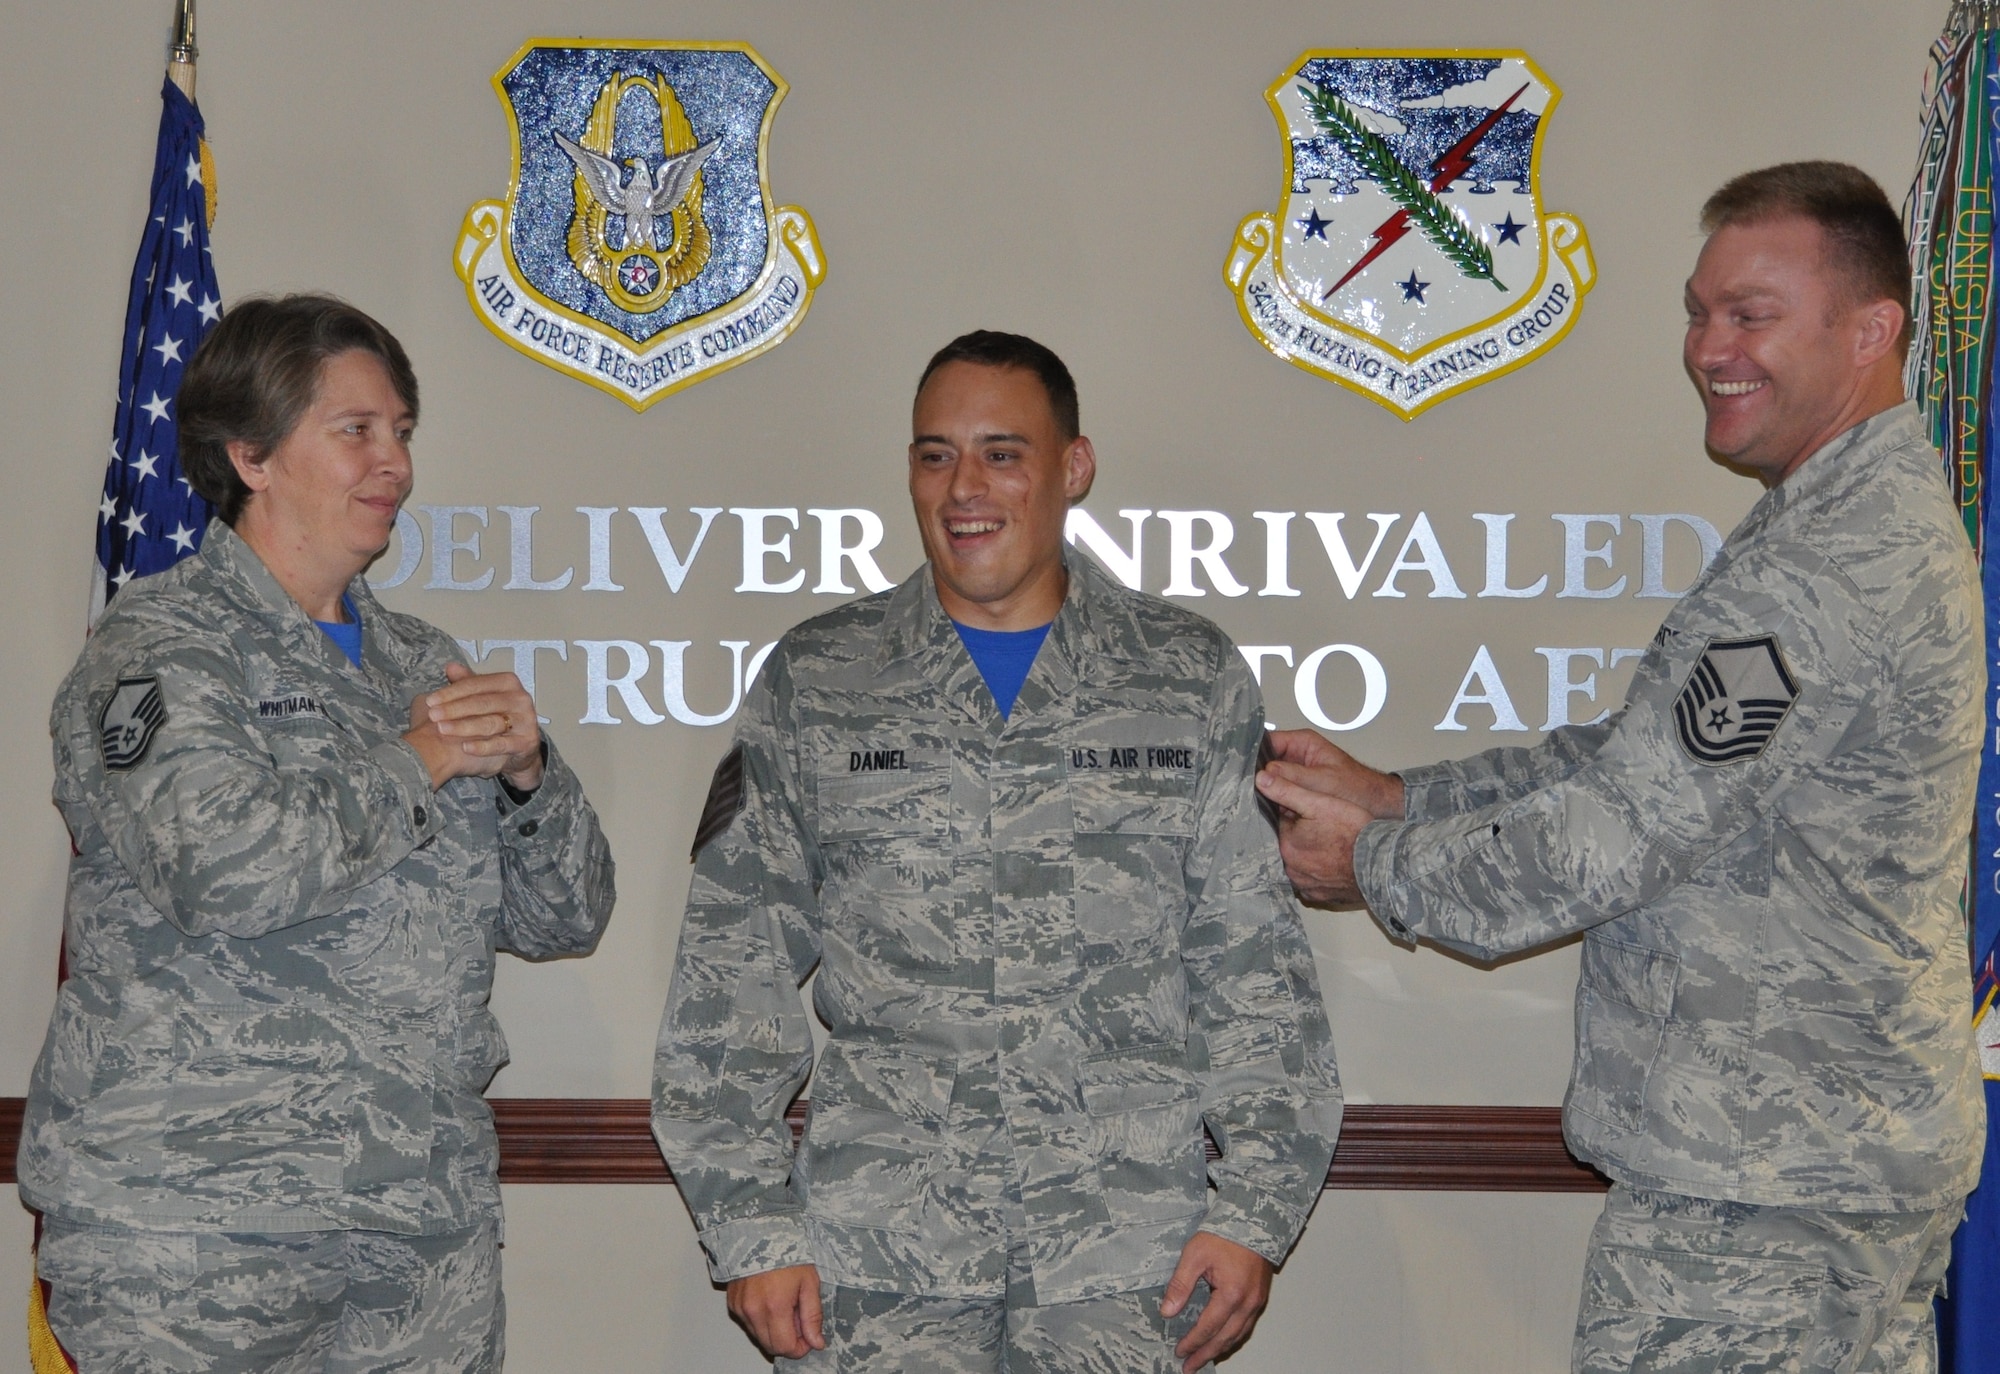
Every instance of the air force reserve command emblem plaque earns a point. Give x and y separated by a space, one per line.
1410 257
638 248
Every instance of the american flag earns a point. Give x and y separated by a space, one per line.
149 517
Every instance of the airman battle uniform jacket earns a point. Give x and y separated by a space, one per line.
1050 948
280 940
1765 848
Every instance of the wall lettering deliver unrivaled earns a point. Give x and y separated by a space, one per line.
1188 554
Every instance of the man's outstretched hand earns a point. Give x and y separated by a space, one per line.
1324 798
1334 771
1239 1286
780 1310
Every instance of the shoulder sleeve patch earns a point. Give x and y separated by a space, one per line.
128 722
725 800
1737 695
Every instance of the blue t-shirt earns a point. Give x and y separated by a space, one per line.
346 638
1003 658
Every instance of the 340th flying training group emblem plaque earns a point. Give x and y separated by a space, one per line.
1410 257
638 249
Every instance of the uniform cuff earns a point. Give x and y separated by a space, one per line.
1255 1220
413 779
522 796
754 1245
557 784
1374 874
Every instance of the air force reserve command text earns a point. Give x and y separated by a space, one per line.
587 348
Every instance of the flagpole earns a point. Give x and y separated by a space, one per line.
182 52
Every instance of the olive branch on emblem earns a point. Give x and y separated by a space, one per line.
1439 222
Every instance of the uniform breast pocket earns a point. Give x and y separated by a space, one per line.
884 794
874 1134
1624 998
884 835
305 739
1133 827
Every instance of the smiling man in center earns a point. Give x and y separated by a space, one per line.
1053 939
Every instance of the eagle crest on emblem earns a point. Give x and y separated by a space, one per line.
636 272
639 248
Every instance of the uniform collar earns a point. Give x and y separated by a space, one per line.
242 577
1833 468
1847 455
1093 623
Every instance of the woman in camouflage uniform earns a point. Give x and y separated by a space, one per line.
303 826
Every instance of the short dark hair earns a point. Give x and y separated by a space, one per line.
255 374
991 348
1864 235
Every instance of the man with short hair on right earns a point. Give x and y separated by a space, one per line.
1763 850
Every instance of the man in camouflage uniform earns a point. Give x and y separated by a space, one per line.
256 1129
1052 942
1764 848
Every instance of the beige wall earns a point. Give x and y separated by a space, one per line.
1074 172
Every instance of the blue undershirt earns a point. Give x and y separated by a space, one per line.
346 638
1003 658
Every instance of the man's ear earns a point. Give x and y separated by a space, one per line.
1079 469
248 460
1881 329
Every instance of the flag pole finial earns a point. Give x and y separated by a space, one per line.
182 52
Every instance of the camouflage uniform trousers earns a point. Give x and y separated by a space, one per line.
901 1333
306 1302
1687 1285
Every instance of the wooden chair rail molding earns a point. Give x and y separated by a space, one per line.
1463 1149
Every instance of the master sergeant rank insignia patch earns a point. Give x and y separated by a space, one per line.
1736 697
128 722
724 804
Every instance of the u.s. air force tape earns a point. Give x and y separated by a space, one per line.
128 722
725 800
1734 700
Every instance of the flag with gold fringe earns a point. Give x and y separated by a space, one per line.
1949 216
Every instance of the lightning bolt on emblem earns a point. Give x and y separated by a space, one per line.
1452 164
1409 355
